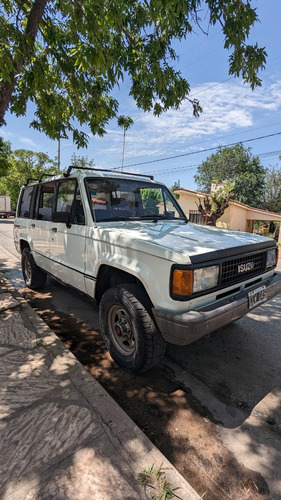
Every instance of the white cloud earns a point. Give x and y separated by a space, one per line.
7 135
229 107
28 141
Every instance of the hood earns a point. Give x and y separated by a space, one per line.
174 240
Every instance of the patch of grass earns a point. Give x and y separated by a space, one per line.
154 477
41 342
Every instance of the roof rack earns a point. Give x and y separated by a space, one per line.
71 167
30 179
44 175
36 180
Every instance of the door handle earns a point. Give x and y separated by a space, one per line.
54 229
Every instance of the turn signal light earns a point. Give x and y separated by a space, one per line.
182 282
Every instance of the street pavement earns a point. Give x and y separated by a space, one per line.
62 436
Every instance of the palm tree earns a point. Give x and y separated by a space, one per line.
125 122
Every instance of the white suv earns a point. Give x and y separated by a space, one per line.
124 240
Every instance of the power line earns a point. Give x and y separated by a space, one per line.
270 153
218 138
176 170
201 150
211 87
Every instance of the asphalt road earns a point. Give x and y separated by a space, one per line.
235 372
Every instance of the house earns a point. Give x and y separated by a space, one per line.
237 216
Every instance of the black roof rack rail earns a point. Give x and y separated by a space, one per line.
45 175
71 167
37 180
30 179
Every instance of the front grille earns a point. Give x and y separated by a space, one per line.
241 268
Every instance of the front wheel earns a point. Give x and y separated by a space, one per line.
34 277
128 329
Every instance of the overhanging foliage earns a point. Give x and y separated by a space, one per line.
66 56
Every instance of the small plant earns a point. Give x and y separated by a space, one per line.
155 478
41 342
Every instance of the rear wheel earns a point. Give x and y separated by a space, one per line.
34 277
129 331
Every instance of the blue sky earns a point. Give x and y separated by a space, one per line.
171 146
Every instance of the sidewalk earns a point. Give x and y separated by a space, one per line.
62 437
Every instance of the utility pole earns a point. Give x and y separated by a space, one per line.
123 150
59 154
60 137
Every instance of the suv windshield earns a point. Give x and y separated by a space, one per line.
122 199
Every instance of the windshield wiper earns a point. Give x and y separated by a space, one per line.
156 218
152 218
112 219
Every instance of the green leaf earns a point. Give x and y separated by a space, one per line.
236 167
77 52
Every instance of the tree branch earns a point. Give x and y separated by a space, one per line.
7 87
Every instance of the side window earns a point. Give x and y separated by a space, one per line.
69 200
25 202
45 201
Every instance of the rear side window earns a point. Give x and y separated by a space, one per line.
45 201
25 203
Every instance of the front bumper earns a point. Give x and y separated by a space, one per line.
185 328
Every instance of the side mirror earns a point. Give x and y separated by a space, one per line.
61 217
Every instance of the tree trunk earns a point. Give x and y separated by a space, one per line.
7 87
212 215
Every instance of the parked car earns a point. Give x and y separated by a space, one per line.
124 240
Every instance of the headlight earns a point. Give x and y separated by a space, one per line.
186 282
205 278
271 258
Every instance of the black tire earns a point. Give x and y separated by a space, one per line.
34 277
130 334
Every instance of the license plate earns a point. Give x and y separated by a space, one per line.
257 296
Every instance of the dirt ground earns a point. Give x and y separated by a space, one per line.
167 413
